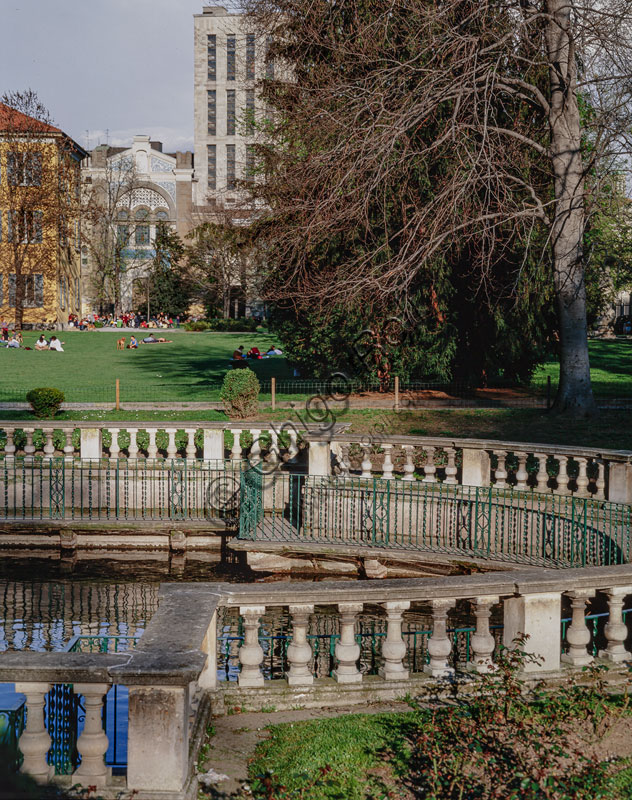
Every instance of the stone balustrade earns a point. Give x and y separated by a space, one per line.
545 468
172 675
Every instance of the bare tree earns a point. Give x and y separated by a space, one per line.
107 200
470 122
40 194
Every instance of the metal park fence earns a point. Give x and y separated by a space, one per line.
468 521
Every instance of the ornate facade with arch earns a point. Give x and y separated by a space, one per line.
142 188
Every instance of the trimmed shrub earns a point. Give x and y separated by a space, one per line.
45 401
240 393
197 327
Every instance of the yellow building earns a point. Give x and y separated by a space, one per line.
40 268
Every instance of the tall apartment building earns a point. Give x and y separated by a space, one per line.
229 60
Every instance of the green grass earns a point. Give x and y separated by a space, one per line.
610 367
364 753
190 369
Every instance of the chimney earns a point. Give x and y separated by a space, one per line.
156 146
215 11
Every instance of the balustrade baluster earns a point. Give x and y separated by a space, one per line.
29 447
114 447
600 483
394 647
522 475
450 470
500 473
342 454
172 448
577 633
562 476
274 455
347 649
133 442
542 476
582 477
439 645
387 466
10 448
366 463
482 641
299 652
430 467
152 450
69 448
49 447
235 452
293 449
616 630
191 448
34 743
251 652
409 466
93 742
255 449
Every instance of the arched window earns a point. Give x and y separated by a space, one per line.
142 213
162 215
123 214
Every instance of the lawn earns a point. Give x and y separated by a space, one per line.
610 367
191 368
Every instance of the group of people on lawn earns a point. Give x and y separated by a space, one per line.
13 339
254 352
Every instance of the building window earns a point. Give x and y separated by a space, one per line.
250 112
24 169
211 46
269 61
250 163
230 167
211 157
230 58
25 226
250 57
212 112
230 112
33 290
162 215
141 236
122 235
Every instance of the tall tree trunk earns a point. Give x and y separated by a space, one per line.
574 390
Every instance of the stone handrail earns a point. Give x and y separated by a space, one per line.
599 473
172 674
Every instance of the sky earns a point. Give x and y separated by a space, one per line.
114 68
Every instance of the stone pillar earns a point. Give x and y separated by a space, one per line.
562 476
451 470
255 449
133 443
501 472
577 634
616 630
191 449
158 738
409 466
152 449
299 653
10 448
482 641
213 445
582 478
394 647
430 468
387 467
69 448
251 652
35 741
114 447
542 476
619 482
172 450
29 447
366 464
522 476
600 483
208 677
293 448
439 645
49 447
476 468
235 452
93 743
319 457
539 617
347 649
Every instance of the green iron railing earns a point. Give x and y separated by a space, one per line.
479 522
101 644
122 489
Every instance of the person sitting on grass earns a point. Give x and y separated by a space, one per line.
14 341
133 343
238 354
41 343
55 344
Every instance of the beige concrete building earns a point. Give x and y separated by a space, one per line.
229 60
145 188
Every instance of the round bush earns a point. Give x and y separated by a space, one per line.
240 393
45 401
